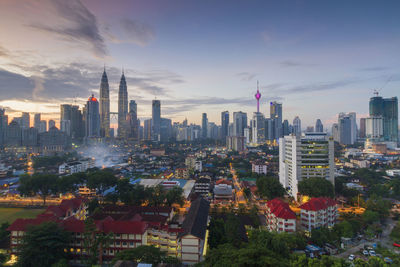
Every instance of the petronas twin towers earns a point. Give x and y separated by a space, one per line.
123 126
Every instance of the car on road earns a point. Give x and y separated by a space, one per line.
365 252
388 260
351 257
372 253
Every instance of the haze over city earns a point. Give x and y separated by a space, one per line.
200 56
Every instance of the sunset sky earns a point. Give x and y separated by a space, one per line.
316 57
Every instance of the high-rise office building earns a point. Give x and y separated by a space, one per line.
13 134
3 126
374 128
275 110
239 123
345 129
36 121
42 126
156 119
25 120
362 132
258 129
65 112
285 128
147 129
319 127
92 118
52 124
297 126
72 114
122 107
224 125
104 105
204 124
133 120
165 129
388 109
270 129
303 157
335 132
310 129
65 126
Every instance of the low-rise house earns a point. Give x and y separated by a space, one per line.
202 187
259 167
280 218
223 192
318 212
75 166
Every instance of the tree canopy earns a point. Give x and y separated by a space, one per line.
147 254
316 187
43 245
269 187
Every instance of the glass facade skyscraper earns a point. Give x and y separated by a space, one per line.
388 109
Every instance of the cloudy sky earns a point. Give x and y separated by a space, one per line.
316 57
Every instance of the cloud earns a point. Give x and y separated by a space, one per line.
317 87
3 52
292 63
78 25
137 32
376 68
246 76
38 87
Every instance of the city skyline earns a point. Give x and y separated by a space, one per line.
303 54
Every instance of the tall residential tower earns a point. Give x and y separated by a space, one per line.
104 106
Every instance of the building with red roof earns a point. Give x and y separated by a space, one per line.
318 212
280 218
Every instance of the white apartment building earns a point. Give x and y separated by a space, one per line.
303 157
280 218
259 167
76 166
318 212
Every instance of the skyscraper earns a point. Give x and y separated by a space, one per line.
65 112
224 125
105 105
285 126
133 120
345 133
3 126
297 126
122 107
239 123
319 127
388 109
204 124
156 119
25 120
275 110
353 128
258 129
362 128
92 118
52 124
36 121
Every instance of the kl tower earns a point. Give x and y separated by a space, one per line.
258 96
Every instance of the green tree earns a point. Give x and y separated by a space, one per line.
147 254
101 180
370 216
269 187
175 196
42 184
43 245
216 232
94 242
316 187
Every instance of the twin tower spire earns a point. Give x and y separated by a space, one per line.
105 106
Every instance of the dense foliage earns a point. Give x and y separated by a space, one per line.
43 245
147 254
316 187
269 187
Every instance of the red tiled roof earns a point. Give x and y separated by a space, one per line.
318 203
124 227
281 209
73 225
23 224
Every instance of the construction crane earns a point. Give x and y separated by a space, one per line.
376 91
